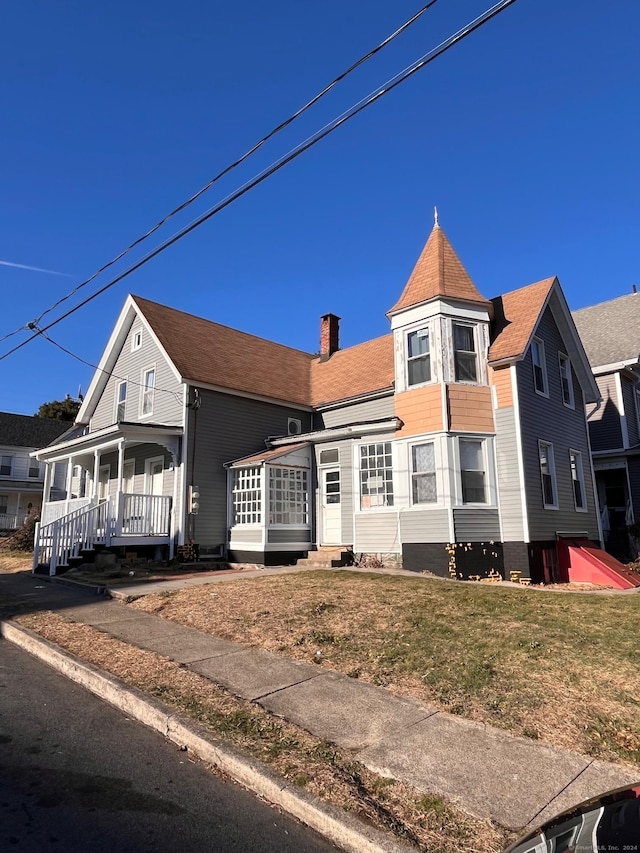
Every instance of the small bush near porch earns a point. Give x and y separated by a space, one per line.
556 666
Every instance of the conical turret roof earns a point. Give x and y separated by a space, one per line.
438 273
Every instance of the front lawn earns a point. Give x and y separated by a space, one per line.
563 667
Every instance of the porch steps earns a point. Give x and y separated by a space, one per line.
326 557
591 564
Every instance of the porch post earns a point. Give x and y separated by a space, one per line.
69 479
96 474
19 515
46 486
119 502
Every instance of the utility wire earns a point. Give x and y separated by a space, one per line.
108 373
233 165
391 84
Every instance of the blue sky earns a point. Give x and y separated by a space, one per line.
524 136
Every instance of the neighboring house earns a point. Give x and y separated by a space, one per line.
457 443
610 332
21 476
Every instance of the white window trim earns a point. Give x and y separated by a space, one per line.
489 485
356 476
480 376
429 326
11 459
543 365
124 380
136 340
580 468
143 373
552 470
323 447
564 357
439 502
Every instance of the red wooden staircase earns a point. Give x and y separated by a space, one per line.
586 563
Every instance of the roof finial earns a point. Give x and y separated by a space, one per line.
436 224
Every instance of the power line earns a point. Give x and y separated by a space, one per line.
108 373
387 87
233 165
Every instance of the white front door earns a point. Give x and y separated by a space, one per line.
331 510
104 476
154 478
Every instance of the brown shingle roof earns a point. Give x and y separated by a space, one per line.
352 372
208 352
515 317
438 272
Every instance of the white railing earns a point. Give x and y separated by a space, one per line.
57 509
145 515
8 522
60 540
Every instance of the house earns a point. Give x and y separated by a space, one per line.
21 476
456 443
610 332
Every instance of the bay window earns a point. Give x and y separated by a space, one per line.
423 474
464 353
418 357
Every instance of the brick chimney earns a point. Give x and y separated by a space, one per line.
329 335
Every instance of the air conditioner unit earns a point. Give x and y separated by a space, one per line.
294 426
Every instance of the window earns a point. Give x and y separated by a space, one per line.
566 380
464 353
548 474
6 463
288 495
418 357
539 367
4 504
148 387
376 475
423 474
472 471
34 469
121 400
136 340
329 456
577 478
247 496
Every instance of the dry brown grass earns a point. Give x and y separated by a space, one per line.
560 667
15 561
427 821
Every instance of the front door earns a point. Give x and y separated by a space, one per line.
104 475
331 510
155 476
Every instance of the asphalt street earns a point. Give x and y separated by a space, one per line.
77 775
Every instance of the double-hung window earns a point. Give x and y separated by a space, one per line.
121 401
34 469
148 389
6 463
548 475
376 475
464 353
566 380
418 357
423 474
577 478
472 471
539 367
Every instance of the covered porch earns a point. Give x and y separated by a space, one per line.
115 487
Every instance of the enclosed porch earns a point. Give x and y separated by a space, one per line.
269 507
115 488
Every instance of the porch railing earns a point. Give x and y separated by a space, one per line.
56 509
7 521
145 515
64 538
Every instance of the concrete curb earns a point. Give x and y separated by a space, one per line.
337 826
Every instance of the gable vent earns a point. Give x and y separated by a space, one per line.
294 426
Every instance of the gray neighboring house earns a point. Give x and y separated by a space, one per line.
610 333
21 476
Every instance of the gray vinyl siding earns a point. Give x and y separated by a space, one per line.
287 536
629 398
226 428
548 419
240 535
509 485
476 525
604 422
418 526
355 413
348 501
168 407
377 533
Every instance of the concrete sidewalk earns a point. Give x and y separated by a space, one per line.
515 781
